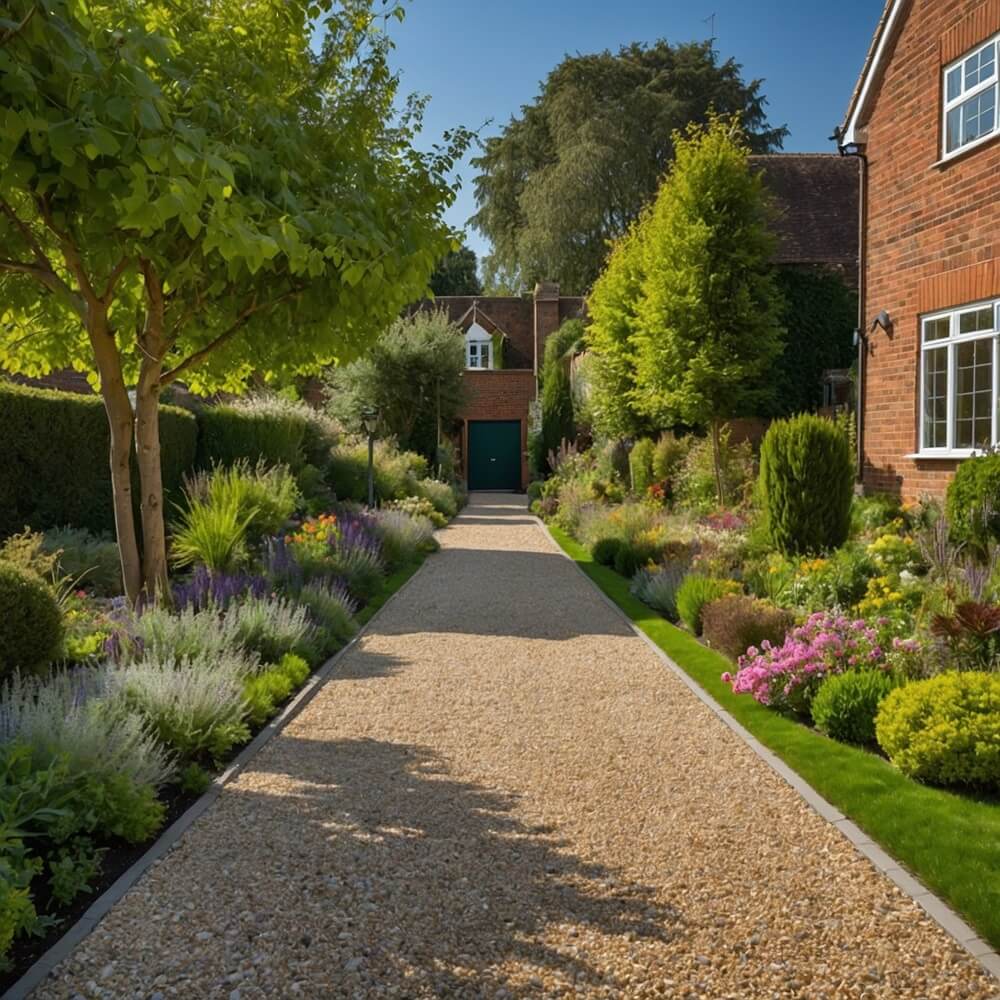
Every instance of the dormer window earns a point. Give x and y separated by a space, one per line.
478 347
970 99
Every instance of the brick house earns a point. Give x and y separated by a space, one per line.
924 120
504 343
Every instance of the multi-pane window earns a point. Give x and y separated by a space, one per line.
970 98
958 378
479 353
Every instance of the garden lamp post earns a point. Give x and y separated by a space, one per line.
369 424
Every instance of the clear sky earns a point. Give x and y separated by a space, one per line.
482 59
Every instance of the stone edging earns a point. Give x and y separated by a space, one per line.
46 962
933 906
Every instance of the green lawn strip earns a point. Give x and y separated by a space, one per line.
392 584
950 842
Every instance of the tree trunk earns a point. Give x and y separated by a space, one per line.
717 462
119 412
147 443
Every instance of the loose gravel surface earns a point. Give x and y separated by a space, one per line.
503 793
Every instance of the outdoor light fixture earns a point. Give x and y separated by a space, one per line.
883 320
369 424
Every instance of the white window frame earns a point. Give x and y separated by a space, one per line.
966 94
478 337
951 344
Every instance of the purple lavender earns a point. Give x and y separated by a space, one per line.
205 588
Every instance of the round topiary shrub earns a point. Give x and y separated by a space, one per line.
945 730
32 631
734 623
806 484
605 550
973 503
697 591
846 704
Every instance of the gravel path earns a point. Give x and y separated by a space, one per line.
503 793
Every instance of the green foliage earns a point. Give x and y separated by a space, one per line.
658 587
945 730
32 632
640 464
578 165
633 554
412 375
333 612
73 870
87 558
696 486
418 507
211 534
558 422
272 627
973 504
27 551
267 690
734 623
456 274
230 434
697 591
396 472
440 495
806 483
54 453
605 550
846 704
403 538
266 496
669 454
823 312
874 511
194 780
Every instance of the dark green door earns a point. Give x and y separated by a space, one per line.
494 454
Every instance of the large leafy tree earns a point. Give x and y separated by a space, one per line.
457 274
188 191
707 318
412 376
575 169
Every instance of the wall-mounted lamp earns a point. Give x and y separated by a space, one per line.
883 320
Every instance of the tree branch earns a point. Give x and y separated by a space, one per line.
167 377
71 255
12 33
109 290
29 237
50 280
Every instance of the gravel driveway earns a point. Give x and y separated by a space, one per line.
503 793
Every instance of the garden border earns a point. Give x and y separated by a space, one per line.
935 907
39 971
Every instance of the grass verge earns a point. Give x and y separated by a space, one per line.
950 842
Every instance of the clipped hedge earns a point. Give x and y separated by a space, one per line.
54 456
230 433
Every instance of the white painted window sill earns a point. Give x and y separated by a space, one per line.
952 456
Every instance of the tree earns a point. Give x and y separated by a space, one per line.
412 375
707 322
575 169
457 274
558 419
187 190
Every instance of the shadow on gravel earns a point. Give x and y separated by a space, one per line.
504 592
443 888
497 521
363 664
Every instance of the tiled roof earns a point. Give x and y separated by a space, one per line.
816 197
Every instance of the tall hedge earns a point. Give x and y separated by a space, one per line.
54 466
229 433
807 481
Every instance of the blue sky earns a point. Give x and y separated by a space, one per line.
483 59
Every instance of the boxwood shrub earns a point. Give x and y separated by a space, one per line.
32 632
846 704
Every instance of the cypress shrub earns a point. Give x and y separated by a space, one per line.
806 483
558 418
640 465
54 456
973 503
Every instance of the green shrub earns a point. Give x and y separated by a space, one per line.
945 730
346 473
332 609
973 504
806 482
869 513
846 704
418 507
31 623
231 432
264 692
272 627
734 623
558 421
669 454
89 559
211 534
695 592
27 551
535 490
439 494
54 456
640 466
696 487
605 550
403 537
633 554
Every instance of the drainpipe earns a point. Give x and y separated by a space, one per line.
861 333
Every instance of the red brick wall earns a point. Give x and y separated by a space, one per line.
515 316
925 220
498 395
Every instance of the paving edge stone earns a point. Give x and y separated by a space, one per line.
936 908
47 962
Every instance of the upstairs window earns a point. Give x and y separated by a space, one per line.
478 347
959 381
970 99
